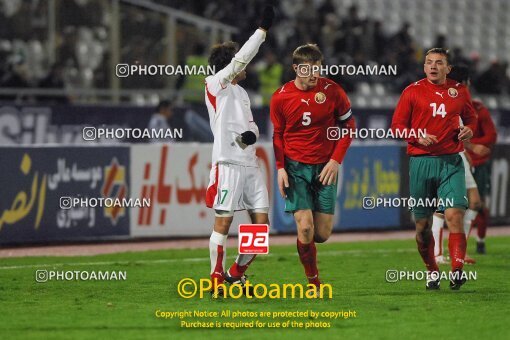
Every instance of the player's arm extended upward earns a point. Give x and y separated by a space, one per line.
248 50
242 58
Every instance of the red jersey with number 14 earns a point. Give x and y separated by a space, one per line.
301 120
435 109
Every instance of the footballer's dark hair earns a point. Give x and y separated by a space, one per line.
459 73
308 53
221 54
440 50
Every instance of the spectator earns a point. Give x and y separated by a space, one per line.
194 83
379 42
491 81
353 31
54 80
16 76
458 57
308 19
441 41
345 39
159 120
270 73
329 35
198 127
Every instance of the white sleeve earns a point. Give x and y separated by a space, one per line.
254 128
238 63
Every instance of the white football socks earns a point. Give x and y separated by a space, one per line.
469 216
218 252
437 232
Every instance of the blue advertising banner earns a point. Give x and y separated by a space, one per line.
36 181
369 173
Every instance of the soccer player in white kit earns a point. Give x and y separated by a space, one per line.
236 181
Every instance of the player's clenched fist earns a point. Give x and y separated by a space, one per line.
248 137
283 181
267 17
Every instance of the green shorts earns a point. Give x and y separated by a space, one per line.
439 180
306 191
482 175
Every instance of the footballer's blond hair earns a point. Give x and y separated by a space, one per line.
308 53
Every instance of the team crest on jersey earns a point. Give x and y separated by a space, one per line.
320 97
452 92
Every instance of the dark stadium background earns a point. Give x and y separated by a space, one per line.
57 75
58 61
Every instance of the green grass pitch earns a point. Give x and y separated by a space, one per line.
126 309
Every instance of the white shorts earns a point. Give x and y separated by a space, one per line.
470 181
236 187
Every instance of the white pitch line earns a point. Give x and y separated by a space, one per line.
106 263
198 259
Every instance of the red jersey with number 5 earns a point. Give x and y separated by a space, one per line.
435 109
301 120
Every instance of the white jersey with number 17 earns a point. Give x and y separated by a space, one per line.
229 108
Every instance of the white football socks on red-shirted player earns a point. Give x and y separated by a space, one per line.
218 254
437 232
469 216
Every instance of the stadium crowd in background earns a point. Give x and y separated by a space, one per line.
81 58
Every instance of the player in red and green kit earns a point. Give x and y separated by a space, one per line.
479 149
307 159
436 170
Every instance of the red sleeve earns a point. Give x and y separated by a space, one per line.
402 117
278 120
468 114
343 115
488 135
343 144
343 104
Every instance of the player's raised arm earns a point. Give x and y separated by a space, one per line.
248 50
